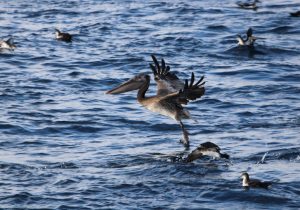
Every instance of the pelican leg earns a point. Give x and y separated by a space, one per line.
185 139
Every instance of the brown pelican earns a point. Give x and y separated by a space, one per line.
171 93
247 182
8 44
206 149
249 41
63 36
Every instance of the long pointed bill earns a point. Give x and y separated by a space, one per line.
125 87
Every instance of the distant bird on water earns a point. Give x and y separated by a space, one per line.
247 182
206 149
63 36
295 14
8 44
171 94
249 41
248 5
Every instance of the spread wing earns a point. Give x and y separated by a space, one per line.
189 92
167 82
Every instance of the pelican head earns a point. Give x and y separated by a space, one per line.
132 84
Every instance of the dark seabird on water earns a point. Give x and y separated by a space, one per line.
249 41
63 36
248 5
8 44
255 183
295 14
206 149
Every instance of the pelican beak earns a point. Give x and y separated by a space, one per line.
127 86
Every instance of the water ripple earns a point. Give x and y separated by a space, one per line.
65 143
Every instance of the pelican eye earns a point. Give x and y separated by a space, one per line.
140 78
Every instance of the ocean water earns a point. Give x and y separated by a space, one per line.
65 144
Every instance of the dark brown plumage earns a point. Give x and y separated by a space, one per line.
63 36
206 149
171 95
248 5
247 182
295 14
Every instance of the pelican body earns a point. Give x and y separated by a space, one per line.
249 41
171 95
206 149
247 182
8 44
63 36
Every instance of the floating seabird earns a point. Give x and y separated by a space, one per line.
63 36
206 149
248 5
8 44
171 94
247 182
249 41
295 14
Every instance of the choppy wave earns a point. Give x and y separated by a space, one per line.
65 144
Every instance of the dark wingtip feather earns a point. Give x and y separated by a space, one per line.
200 80
163 65
186 84
156 64
153 69
167 70
192 79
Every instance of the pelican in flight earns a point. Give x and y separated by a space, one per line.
249 41
172 93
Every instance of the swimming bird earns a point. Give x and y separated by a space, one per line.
247 182
295 14
63 36
248 5
249 41
8 44
171 94
206 149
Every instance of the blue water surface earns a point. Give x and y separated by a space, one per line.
65 144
